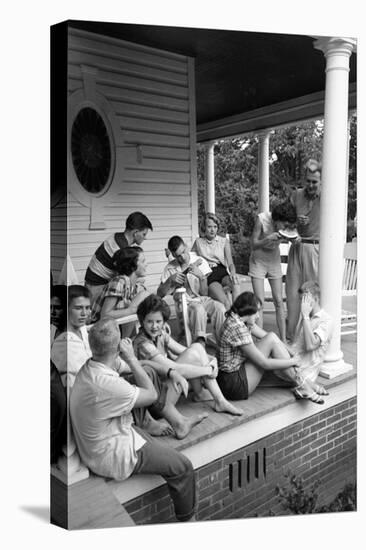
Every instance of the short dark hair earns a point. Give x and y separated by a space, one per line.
77 291
284 212
60 292
138 220
174 243
125 260
152 304
246 303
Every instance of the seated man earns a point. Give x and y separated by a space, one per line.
101 406
187 269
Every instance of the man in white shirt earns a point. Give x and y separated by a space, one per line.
189 270
101 405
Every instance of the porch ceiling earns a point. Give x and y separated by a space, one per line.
237 72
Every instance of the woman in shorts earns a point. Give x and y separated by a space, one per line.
242 362
265 258
155 344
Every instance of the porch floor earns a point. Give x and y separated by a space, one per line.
267 397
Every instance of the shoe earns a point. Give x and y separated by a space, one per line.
320 390
314 397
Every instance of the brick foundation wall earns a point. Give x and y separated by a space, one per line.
242 484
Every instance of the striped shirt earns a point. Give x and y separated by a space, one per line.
100 270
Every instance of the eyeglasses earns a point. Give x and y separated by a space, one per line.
312 181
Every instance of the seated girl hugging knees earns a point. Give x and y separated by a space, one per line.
242 362
171 359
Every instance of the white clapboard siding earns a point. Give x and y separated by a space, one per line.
151 94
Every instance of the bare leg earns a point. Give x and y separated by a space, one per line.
216 292
272 346
182 425
156 427
196 357
221 404
196 354
276 287
258 289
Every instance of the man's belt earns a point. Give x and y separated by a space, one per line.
309 241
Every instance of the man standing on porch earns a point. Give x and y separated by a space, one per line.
100 270
303 257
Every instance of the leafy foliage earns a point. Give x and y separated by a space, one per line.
297 500
236 178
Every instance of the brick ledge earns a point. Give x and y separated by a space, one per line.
204 452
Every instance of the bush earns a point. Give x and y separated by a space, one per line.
296 500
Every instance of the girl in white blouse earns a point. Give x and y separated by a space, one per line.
216 250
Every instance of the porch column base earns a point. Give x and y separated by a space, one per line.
331 369
79 475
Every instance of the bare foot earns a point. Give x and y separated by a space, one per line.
225 406
187 424
157 428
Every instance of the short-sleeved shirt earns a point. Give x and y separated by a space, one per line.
69 353
213 251
321 325
119 287
146 348
100 407
234 334
192 284
100 269
310 208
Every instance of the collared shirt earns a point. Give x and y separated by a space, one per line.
234 335
307 207
192 284
119 287
213 251
100 269
146 348
100 406
321 325
69 352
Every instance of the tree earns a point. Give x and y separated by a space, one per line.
236 162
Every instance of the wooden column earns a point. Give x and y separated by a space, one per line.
210 177
337 52
263 171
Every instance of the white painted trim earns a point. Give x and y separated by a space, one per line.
120 42
227 442
272 116
193 145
